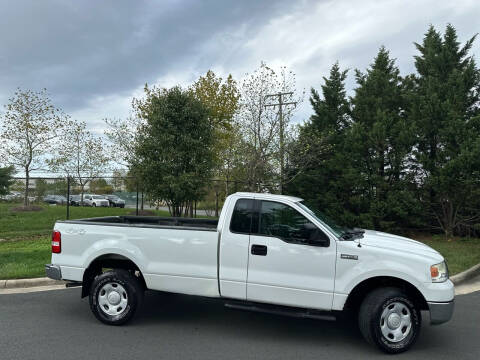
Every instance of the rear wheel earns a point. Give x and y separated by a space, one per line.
115 296
94 205
389 319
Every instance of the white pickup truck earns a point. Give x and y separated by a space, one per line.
265 253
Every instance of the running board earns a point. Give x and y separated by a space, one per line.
281 310
73 284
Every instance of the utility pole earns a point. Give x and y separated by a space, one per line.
280 105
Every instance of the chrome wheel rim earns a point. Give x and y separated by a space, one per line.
396 322
112 299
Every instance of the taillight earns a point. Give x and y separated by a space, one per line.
56 242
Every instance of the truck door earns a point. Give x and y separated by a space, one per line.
233 249
291 260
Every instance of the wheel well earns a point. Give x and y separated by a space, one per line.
106 262
362 289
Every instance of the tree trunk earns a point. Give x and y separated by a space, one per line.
82 187
216 203
27 182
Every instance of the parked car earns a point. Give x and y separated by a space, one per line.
115 201
76 200
95 200
12 196
55 199
298 263
8 197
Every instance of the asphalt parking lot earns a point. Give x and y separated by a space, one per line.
58 325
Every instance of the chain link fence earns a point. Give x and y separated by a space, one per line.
114 195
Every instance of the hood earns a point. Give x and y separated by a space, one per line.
398 243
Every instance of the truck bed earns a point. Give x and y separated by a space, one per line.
149 221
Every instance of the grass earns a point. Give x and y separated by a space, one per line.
460 253
24 258
34 224
25 236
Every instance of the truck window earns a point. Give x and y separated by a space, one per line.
282 221
242 216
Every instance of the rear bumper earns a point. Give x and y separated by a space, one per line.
53 272
440 312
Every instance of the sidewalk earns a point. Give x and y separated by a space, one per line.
468 286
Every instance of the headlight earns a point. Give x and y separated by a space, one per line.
439 272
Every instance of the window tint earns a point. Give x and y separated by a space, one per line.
242 216
288 224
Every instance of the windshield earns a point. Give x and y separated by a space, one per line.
98 197
325 220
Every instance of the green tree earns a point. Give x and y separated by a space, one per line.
174 147
100 186
320 165
31 124
118 180
41 188
222 100
446 113
6 179
380 141
58 187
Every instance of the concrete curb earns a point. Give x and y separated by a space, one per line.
466 275
26 283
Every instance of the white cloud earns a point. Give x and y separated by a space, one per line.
306 36
311 36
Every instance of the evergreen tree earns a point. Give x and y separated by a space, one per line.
6 179
445 109
320 162
379 142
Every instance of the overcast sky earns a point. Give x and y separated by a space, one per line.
93 56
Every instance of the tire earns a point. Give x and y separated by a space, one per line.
389 319
94 205
115 296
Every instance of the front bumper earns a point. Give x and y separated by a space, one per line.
53 271
440 312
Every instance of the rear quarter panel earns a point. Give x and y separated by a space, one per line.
182 260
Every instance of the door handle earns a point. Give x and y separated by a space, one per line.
259 250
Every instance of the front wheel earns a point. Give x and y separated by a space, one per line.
115 296
389 319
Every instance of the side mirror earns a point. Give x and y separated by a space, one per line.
316 236
321 239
